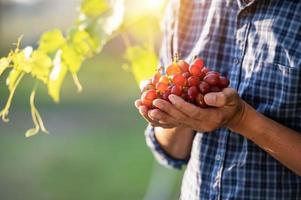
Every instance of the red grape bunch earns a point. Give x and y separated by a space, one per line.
191 82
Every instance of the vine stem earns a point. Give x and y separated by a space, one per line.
36 117
77 82
4 112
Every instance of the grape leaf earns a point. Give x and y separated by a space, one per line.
143 61
12 78
4 63
105 26
93 8
71 58
57 76
84 44
51 41
21 61
115 18
41 64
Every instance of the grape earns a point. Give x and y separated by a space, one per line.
184 96
195 70
213 72
192 93
184 66
199 62
202 76
173 69
188 82
223 82
166 95
204 87
186 75
164 79
179 80
193 81
156 78
148 87
212 79
162 87
177 90
199 100
148 97
170 86
215 89
205 70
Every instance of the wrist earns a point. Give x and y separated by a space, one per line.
239 121
176 142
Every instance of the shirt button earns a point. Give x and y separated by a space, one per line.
236 61
218 157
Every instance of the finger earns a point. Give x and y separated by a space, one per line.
144 113
143 110
138 103
162 117
155 123
169 109
185 107
220 99
161 125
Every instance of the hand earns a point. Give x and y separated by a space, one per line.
227 111
156 117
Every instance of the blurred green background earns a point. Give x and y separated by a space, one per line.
96 147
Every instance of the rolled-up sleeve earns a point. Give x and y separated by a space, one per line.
161 156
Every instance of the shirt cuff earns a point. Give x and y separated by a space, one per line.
161 156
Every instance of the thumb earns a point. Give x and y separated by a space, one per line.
220 99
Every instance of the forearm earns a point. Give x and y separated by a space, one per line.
282 143
176 142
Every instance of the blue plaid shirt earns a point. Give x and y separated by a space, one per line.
257 44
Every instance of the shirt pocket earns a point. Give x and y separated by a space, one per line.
274 90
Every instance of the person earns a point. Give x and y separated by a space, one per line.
247 145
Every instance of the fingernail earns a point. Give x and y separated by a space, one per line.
172 98
142 110
210 98
157 103
154 114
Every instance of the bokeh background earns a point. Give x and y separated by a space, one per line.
96 147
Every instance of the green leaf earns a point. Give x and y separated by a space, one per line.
4 64
114 19
57 76
84 44
93 8
102 29
143 61
12 78
21 62
71 58
41 65
51 41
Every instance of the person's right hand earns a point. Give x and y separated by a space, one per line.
165 121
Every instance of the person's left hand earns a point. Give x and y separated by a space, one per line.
227 110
